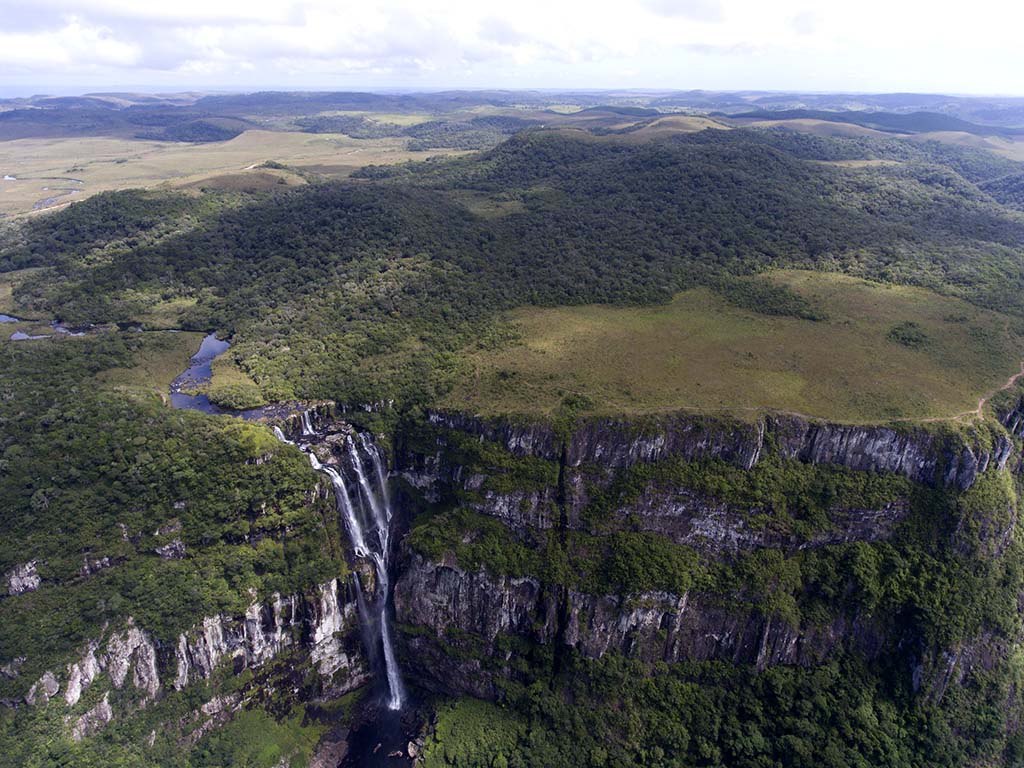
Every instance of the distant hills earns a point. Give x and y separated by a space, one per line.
888 122
197 117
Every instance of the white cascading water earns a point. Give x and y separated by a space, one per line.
379 503
344 503
307 424
381 509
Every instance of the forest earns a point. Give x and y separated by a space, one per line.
355 289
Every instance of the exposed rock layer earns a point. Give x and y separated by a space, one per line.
321 626
458 623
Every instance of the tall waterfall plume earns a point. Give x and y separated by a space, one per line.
365 508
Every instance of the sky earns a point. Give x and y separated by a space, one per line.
74 46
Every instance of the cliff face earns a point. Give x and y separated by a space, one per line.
591 456
458 622
441 601
917 453
319 628
485 610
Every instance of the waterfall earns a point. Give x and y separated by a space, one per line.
381 517
307 424
371 493
344 504
280 436
380 506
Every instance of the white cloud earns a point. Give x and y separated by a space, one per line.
73 44
869 45
805 23
698 10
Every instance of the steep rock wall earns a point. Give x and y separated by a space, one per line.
591 455
456 623
321 626
459 619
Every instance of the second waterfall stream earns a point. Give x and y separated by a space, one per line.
364 504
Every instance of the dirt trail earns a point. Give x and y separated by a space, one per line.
978 413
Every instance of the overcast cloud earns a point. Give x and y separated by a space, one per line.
65 46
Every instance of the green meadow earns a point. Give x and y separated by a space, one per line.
878 352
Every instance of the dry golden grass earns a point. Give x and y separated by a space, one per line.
396 118
672 124
700 353
1012 148
253 180
819 127
104 164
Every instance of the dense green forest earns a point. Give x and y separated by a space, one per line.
473 133
361 289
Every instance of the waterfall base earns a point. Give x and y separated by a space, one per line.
381 736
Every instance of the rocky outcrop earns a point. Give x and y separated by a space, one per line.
442 596
332 620
81 674
130 650
42 691
94 720
172 550
519 438
518 509
937 671
618 443
917 452
12 669
657 626
91 565
714 527
23 578
214 713
324 625
602 449
450 621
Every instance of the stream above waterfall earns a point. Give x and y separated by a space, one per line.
198 374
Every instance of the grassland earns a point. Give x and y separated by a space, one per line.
230 386
1011 148
161 360
819 127
699 352
165 315
51 169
